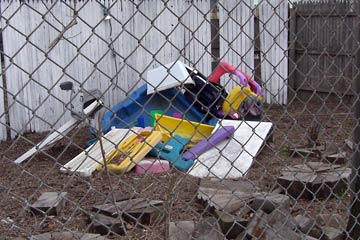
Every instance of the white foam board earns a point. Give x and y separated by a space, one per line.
172 75
232 158
86 162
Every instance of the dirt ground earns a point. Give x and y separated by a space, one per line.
21 185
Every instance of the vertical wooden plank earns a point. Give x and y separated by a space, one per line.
236 21
204 39
12 42
3 126
284 29
292 55
274 45
263 19
353 224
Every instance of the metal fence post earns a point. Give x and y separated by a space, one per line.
353 226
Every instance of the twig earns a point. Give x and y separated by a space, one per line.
72 23
52 14
61 34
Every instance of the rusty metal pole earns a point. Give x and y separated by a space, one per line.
353 226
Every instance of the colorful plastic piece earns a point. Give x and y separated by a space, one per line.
131 151
171 151
170 126
236 97
244 79
152 166
152 113
88 160
218 136
126 113
166 77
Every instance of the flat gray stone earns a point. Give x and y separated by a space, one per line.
331 220
308 226
67 236
49 203
111 209
350 144
224 200
150 215
231 225
103 224
337 158
269 201
134 210
239 185
269 226
181 230
333 233
208 229
314 180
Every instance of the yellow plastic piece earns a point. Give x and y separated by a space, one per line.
131 151
170 126
235 97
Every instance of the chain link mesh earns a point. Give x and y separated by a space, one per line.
275 82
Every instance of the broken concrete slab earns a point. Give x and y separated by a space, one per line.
305 152
331 220
329 152
227 184
67 236
269 201
231 224
350 144
308 226
117 197
337 158
268 226
103 225
113 210
333 233
49 203
208 229
147 216
134 210
314 179
181 230
224 200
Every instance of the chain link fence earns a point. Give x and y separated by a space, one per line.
179 119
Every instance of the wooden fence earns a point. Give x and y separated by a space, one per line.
322 47
99 53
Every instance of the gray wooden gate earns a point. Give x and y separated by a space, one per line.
322 47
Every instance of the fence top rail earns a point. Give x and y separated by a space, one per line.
326 7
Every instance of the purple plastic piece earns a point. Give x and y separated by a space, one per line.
242 77
209 142
244 82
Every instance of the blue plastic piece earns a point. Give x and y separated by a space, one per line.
141 122
125 114
171 151
91 142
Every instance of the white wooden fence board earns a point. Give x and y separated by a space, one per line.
273 17
3 133
236 21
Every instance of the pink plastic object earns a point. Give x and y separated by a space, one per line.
152 166
177 115
244 79
223 68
